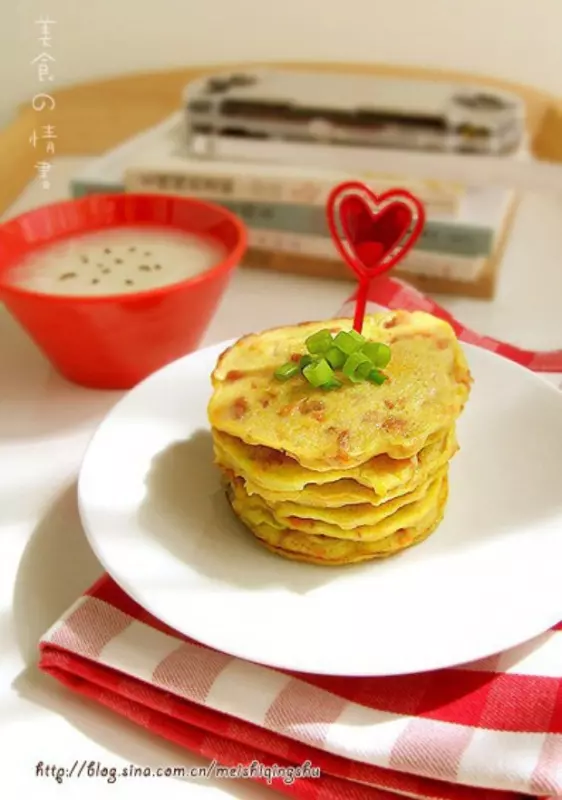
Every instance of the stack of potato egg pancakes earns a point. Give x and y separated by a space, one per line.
334 445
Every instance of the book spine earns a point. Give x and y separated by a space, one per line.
305 219
430 265
80 188
309 191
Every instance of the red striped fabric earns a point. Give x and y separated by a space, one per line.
205 732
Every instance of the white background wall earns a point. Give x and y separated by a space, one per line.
517 39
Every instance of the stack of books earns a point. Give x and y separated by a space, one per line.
284 208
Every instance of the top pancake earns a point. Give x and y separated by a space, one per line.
427 387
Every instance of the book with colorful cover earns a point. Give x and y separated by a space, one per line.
416 262
473 234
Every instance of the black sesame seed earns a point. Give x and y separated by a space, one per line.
65 276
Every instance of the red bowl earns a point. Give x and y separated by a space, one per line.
114 341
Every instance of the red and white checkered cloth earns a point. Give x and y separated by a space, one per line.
393 293
489 730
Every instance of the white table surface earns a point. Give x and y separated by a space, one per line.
45 561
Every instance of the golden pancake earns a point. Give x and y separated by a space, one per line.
342 562
277 478
428 382
328 552
254 512
347 518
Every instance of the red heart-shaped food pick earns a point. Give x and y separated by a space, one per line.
372 232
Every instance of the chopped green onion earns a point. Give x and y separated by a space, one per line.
378 353
349 341
319 373
376 377
348 351
305 361
335 358
332 384
319 342
288 370
352 363
364 369
357 336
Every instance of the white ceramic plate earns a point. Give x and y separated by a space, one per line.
487 579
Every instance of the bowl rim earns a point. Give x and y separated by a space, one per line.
224 266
